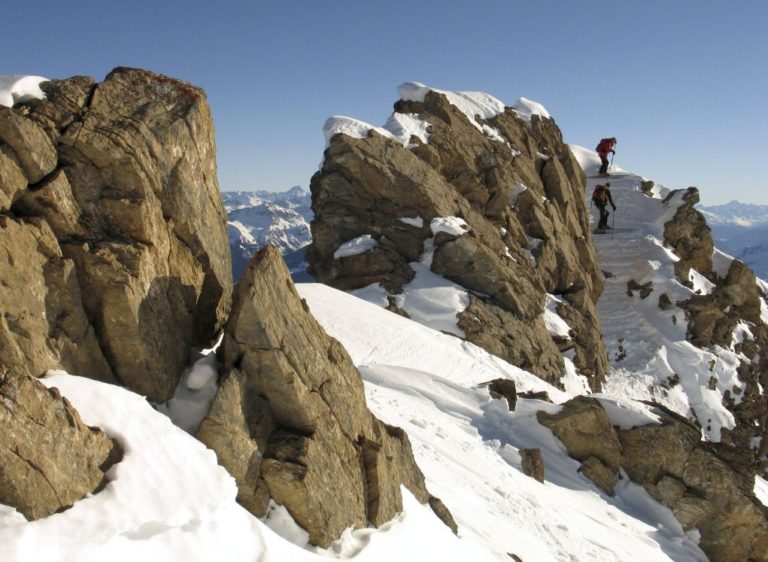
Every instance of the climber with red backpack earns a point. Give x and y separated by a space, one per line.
604 147
601 197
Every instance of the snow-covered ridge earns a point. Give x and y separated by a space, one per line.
647 345
19 88
402 127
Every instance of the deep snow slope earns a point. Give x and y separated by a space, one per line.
467 444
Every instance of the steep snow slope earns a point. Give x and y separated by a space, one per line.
647 346
432 385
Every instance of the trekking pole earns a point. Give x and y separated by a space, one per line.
613 223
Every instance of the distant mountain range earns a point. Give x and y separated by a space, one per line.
741 230
257 218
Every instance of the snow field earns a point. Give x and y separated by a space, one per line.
435 387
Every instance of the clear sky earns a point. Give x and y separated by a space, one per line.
682 84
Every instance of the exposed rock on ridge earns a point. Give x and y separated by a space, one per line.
290 420
707 486
522 197
113 223
712 319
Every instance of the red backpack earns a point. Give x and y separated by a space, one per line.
604 145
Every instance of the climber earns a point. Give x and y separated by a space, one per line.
601 196
603 148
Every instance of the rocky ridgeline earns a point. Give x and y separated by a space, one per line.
114 263
736 298
520 191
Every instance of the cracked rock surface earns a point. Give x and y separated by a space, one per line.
48 457
290 421
114 256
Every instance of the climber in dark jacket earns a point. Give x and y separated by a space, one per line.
601 197
604 148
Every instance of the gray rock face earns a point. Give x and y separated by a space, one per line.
48 457
528 224
120 195
290 421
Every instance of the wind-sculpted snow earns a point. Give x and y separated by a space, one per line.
434 386
17 88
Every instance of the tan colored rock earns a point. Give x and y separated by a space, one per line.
290 421
65 102
532 463
42 322
13 182
366 185
601 475
135 205
31 147
49 458
707 486
523 343
687 232
54 201
584 428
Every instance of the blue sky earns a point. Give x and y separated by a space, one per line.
682 84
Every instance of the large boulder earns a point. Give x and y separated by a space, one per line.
584 428
690 236
517 187
123 173
707 486
290 420
48 457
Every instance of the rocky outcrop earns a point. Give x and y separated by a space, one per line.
689 235
532 463
518 188
707 486
584 428
48 457
712 318
290 420
113 216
